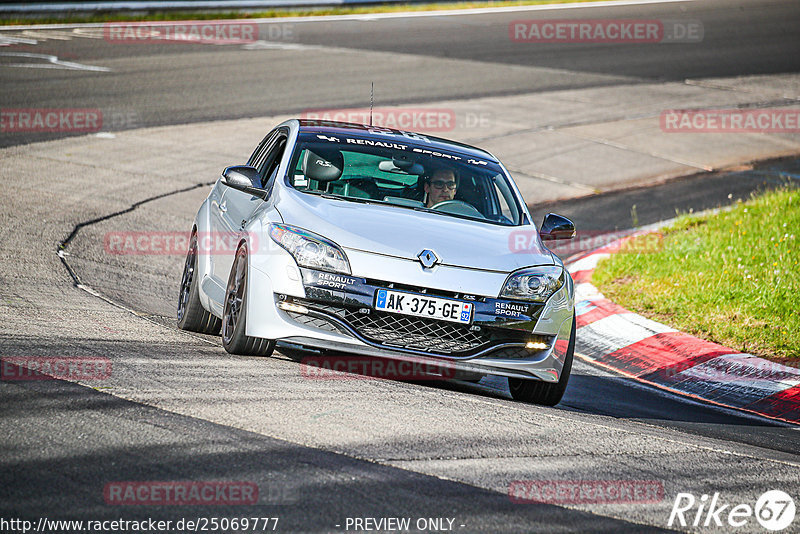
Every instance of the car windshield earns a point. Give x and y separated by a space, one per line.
402 174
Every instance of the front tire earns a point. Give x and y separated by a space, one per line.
545 393
234 315
191 314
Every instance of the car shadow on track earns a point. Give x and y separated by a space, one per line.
619 398
112 442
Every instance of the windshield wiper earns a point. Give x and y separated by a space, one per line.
325 195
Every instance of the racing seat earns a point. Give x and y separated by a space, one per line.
323 165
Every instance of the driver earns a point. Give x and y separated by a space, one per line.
440 187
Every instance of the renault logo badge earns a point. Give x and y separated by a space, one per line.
428 258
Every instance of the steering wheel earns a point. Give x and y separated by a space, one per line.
458 207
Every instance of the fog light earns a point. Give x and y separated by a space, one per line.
536 345
291 307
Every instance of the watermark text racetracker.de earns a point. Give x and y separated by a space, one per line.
586 491
412 119
14 368
196 493
180 493
730 120
620 31
342 367
190 32
75 120
168 243
525 241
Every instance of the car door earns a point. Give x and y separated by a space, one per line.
221 229
237 207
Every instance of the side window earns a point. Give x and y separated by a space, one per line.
262 150
503 202
268 168
273 162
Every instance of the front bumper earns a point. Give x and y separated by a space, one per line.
336 312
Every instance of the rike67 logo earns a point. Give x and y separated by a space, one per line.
774 510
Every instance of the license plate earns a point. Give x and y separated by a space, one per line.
423 306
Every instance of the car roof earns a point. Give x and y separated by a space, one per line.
436 143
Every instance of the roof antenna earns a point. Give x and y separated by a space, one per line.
371 92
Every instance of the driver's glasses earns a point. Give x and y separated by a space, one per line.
440 184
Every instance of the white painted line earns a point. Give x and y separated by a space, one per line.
615 332
90 34
56 35
588 263
52 62
13 40
587 291
407 14
276 45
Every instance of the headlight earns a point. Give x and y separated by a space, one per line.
309 249
536 284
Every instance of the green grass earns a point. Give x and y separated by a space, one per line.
274 13
731 277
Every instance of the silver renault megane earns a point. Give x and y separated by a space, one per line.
383 243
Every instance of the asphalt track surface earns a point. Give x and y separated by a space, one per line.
180 83
182 409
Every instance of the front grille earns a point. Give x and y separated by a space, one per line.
391 330
417 333
316 322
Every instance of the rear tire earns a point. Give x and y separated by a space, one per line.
191 314
545 393
234 315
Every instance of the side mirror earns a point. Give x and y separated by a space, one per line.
556 227
243 178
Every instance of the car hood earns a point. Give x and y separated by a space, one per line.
405 233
